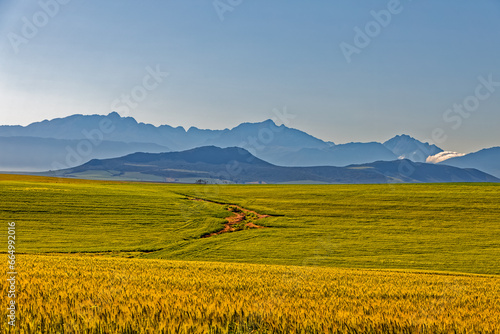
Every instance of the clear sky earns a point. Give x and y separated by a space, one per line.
346 70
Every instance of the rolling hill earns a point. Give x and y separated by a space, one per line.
211 164
487 160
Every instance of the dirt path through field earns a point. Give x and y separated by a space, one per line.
241 219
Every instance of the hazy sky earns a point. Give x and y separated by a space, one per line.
346 70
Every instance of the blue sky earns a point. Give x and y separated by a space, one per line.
233 61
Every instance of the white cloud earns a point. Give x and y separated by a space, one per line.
434 159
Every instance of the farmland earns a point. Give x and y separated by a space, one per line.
100 257
94 294
444 227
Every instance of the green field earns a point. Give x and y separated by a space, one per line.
124 257
437 227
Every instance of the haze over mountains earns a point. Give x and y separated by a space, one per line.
211 164
72 141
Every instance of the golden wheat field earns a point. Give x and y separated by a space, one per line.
98 294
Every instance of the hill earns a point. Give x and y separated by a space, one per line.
487 160
211 164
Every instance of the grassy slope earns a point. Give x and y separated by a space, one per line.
452 227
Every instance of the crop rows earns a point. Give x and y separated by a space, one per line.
97 294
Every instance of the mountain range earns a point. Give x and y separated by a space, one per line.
487 160
211 164
68 142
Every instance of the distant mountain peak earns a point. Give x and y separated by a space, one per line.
114 114
405 146
269 122
406 137
403 136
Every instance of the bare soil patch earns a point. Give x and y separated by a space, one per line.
242 219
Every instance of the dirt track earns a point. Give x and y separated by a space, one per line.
241 219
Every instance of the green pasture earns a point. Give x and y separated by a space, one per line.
439 227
